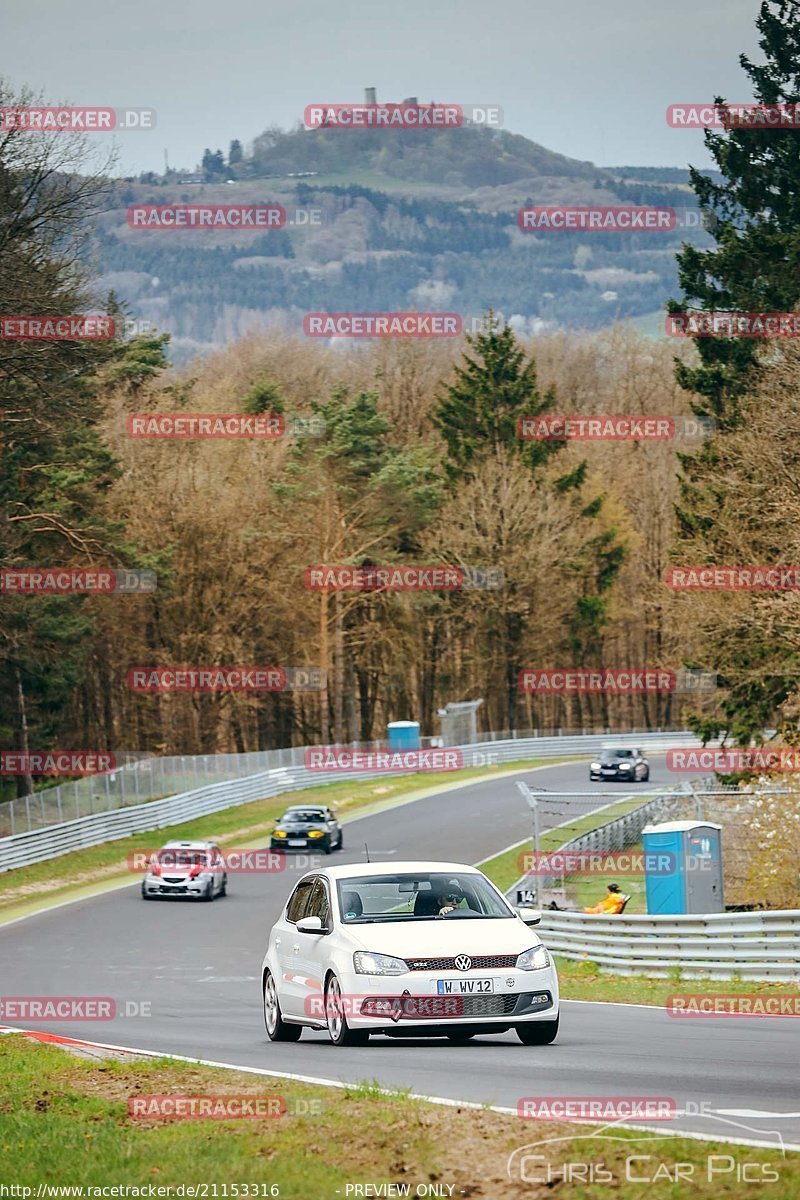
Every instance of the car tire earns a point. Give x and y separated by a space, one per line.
223 891
208 895
146 895
537 1033
339 1031
340 843
646 776
277 1029
326 846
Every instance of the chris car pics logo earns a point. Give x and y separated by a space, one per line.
609 1156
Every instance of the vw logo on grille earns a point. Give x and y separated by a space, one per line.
463 962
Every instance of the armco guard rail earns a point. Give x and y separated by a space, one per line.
748 945
138 777
49 841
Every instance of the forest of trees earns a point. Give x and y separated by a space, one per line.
413 458
380 252
410 456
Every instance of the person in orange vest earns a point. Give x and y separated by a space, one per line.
611 904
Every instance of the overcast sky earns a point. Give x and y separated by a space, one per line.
585 78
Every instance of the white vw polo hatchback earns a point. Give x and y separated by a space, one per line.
407 950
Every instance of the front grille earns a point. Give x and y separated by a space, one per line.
444 1008
487 1006
173 879
481 962
439 1010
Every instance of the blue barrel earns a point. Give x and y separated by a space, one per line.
403 735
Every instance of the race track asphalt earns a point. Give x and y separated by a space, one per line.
197 967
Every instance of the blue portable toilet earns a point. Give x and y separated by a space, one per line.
403 735
683 868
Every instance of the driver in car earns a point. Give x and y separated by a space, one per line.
450 898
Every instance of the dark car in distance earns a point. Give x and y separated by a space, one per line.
307 827
624 763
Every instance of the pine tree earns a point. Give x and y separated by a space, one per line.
491 393
754 267
754 214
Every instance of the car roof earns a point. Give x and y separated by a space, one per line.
187 845
306 808
395 868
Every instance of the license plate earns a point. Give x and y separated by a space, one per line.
297 841
464 987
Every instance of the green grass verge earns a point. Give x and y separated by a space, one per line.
64 1121
504 869
99 865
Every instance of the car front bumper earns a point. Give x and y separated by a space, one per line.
412 1001
298 843
187 887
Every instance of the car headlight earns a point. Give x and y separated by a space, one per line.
279 833
533 959
315 833
367 963
595 767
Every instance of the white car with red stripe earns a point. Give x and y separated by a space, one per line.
409 949
195 869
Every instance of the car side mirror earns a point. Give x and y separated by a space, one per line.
531 916
310 925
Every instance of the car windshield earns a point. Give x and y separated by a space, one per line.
303 814
612 754
373 899
182 858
